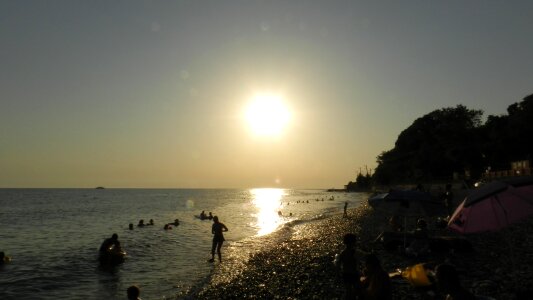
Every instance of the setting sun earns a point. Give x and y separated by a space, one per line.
267 115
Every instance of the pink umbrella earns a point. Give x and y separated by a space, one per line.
494 206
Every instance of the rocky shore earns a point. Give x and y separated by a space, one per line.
297 263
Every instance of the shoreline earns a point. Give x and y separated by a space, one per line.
299 263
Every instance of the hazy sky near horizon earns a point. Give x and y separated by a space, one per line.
152 93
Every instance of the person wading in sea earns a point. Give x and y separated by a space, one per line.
218 238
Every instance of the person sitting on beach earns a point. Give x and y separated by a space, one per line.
109 244
395 224
133 292
448 283
141 223
346 261
218 238
420 244
376 285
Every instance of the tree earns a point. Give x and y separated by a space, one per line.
434 146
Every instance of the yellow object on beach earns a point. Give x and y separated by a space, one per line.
416 275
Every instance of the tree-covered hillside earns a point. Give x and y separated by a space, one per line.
454 139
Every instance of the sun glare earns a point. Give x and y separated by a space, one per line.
268 202
267 115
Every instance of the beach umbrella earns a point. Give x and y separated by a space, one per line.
494 206
402 203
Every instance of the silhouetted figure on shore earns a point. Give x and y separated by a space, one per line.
420 244
448 283
377 285
218 238
448 199
346 261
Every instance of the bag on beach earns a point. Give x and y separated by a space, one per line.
416 275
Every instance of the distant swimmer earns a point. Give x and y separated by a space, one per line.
151 222
141 223
133 292
167 227
218 238
279 213
131 226
111 252
210 216
203 216
3 258
176 222
110 243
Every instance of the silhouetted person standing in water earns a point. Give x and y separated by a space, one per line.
345 210
218 238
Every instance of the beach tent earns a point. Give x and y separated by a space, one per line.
494 206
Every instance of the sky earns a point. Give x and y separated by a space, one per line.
153 94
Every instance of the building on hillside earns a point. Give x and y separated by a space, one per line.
518 168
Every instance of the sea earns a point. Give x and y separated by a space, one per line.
53 236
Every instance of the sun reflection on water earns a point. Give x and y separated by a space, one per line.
268 203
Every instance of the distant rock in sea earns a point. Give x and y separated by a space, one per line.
99 187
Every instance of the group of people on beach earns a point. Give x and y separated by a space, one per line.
375 283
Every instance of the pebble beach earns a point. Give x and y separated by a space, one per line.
299 264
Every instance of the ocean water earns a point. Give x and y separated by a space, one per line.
53 236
